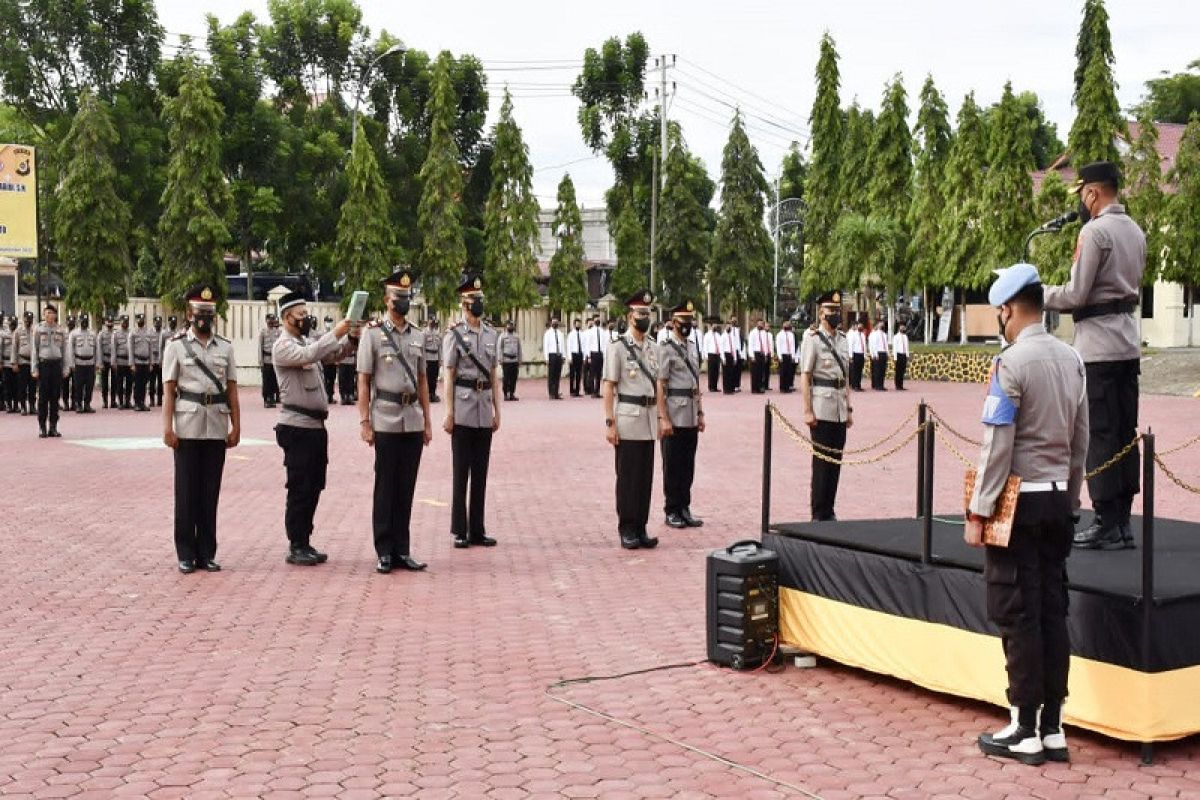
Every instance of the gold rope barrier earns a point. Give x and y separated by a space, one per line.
795 434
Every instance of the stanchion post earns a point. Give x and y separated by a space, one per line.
921 414
927 497
1147 566
766 474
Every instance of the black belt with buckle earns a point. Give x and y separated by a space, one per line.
202 398
831 383
403 398
682 392
478 384
1104 309
636 399
311 413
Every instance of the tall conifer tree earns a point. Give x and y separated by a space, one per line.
568 270
511 219
827 134
740 270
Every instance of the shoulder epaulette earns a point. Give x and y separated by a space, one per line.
222 338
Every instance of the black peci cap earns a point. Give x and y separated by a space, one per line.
1105 172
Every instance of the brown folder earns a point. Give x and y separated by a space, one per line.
998 528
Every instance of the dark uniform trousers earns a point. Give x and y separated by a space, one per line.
50 376
730 373
901 368
84 385
156 385
879 371
597 364
9 387
554 363
397 460
589 376
508 378
825 475
67 392
758 373
787 373
431 375
857 362
346 377
1112 388
27 388
141 379
714 372
330 371
306 459
679 468
270 384
1027 598
199 464
124 384
575 373
471 452
107 382
635 479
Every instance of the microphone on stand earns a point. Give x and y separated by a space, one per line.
1058 222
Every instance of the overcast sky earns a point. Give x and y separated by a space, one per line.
761 56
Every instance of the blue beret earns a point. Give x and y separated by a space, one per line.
1011 280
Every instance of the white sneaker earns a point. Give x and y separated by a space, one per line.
1013 741
1055 747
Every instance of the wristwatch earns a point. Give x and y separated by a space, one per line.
608 422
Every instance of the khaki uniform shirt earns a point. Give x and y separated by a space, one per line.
195 420
472 406
50 344
510 348
156 346
674 358
106 346
121 352
1035 417
433 348
1109 261
828 403
385 364
6 340
81 349
22 345
266 343
141 345
164 336
297 364
634 422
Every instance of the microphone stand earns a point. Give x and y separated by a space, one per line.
1050 318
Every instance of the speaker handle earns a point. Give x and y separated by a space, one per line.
744 542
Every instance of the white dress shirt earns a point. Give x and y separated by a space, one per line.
575 342
725 342
712 343
878 342
759 341
858 342
785 344
900 344
552 342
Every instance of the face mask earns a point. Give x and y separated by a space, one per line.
834 319
400 306
685 329
84 325
576 327
1000 322
476 307
510 328
203 324
306 325
642 324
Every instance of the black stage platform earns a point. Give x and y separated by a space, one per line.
859 592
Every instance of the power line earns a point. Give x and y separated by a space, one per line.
712 115
747 109
803 134
712 74
761 137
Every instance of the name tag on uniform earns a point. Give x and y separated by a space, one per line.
189 362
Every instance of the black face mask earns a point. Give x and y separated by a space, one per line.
306 325
685 329
834 320
1084 214
400 306
84 325
203 323
642 324
1001 324
510 328
476 307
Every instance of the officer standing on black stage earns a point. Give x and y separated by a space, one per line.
510 360
82 350
266 343
1036 422
107 376
395 419
433 358
123 361
826 394
68 394
156 352
8 378
141 346
1102 296
680 415
201 419
472 393
22 357
630 383
301 430
46 367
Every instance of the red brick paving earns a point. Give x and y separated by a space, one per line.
122 678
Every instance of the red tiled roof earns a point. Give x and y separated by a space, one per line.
1170 135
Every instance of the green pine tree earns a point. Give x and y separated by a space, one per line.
363 249
1098 118
862 247
889 190
1051 252
825 167
854 174
1182 235
932 136
91 221
443 252
192 231
1007 191
633 255
568 271
960 233
683 235
1143 193
740 272
511 219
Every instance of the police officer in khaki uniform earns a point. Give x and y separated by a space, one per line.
141 353
510 360
46 367
301 430
8 378
67 392
22 359
680 415
201 418
433 358
82 351
123 365
1102 296
329 364
824 358
629 382
1036 423
394 418
266 343
155 390
470 352
108 383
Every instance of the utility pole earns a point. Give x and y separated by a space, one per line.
659 166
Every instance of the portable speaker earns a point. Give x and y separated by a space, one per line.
743 604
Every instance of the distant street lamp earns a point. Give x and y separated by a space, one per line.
398 47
